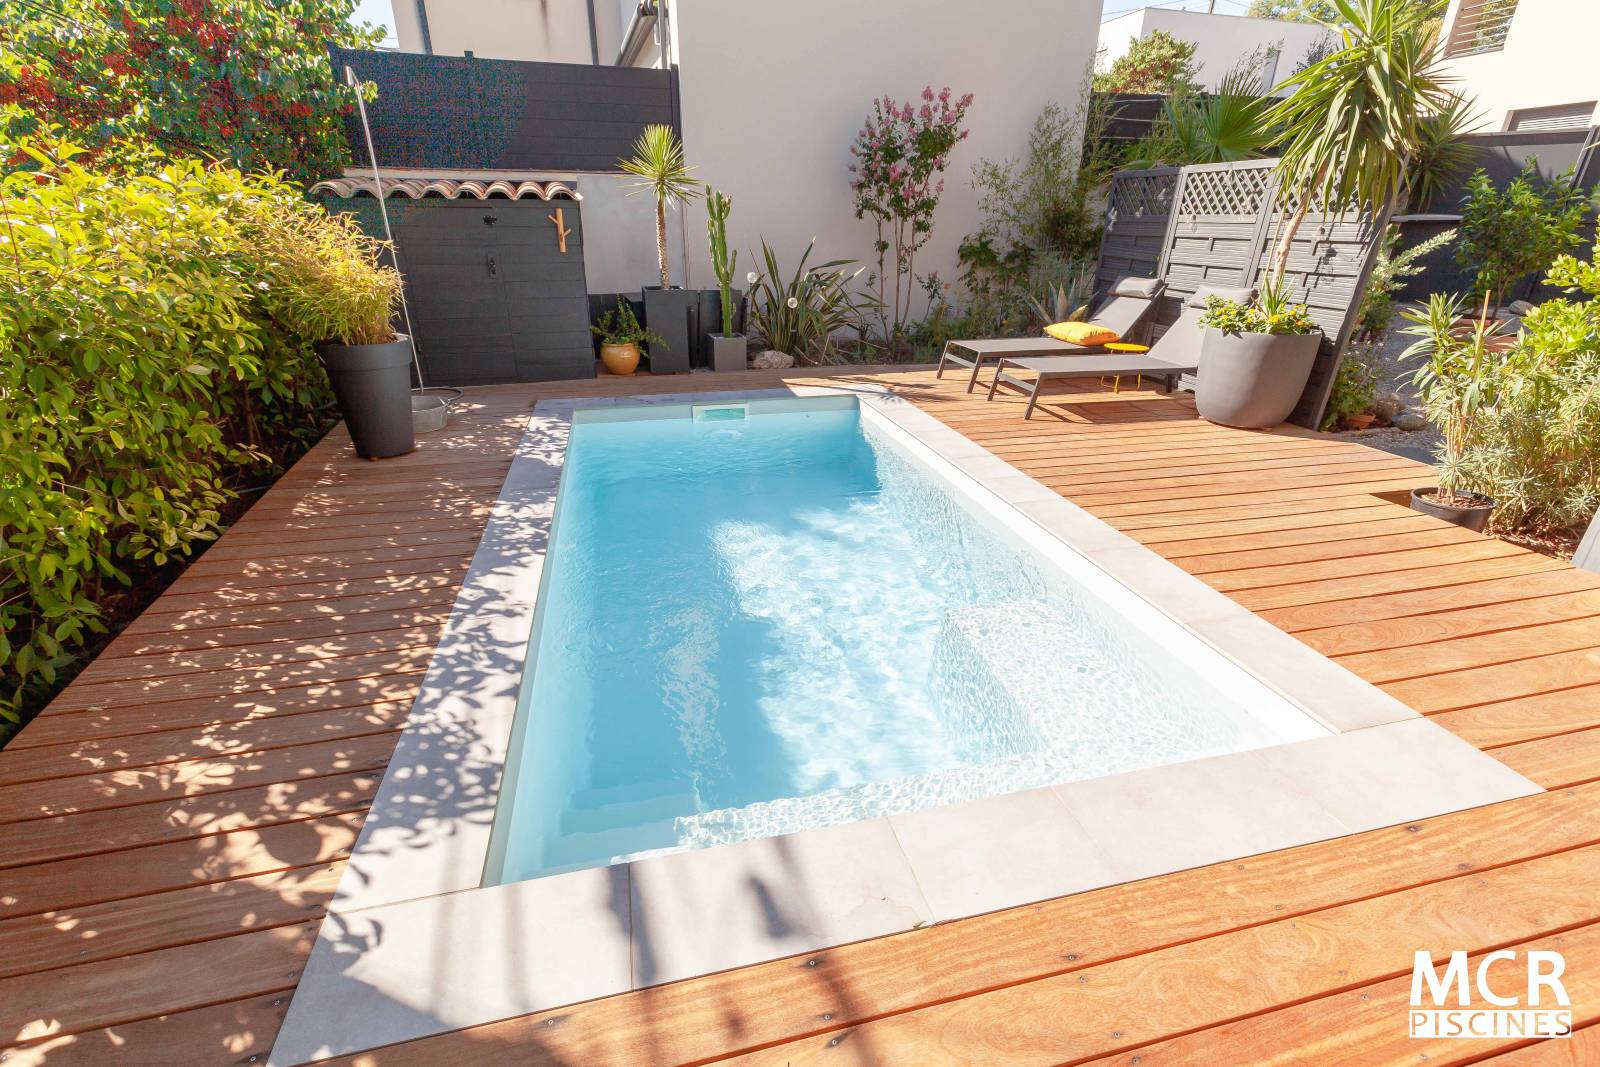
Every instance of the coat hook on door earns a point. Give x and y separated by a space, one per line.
561 229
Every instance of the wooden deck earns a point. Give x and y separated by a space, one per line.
178 818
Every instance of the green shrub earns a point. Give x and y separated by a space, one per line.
140 382
1388 274
1354 387
1508 234
1536 445
1271 312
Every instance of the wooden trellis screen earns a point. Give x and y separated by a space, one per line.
1217 225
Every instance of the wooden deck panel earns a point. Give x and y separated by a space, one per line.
175 821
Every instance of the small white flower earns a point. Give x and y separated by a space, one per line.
751 277
793 303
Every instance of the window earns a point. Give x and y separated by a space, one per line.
1564 117
1480 26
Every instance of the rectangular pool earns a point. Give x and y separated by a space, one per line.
788 614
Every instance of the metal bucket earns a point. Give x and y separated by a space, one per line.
430 410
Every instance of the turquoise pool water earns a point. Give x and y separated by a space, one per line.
754 625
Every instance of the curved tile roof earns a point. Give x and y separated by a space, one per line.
450 188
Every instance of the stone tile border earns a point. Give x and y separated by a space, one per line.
415 944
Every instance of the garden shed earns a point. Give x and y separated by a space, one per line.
494 274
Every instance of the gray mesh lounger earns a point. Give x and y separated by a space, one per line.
1128 302
1056 367
1176 352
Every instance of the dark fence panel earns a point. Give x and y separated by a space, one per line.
456 113
1502 156
1216 225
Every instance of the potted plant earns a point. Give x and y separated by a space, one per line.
1255 359
620 336
1453 377
729 350
659 166
325 281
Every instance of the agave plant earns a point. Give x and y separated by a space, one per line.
1067 301
801 315
659 165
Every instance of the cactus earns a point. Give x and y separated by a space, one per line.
722 261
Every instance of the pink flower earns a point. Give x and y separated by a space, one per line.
944 95
927 92
927 113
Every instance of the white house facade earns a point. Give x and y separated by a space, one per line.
1221 41
1527 64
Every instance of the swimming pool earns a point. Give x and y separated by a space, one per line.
779 615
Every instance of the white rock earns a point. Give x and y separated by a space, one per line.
772 360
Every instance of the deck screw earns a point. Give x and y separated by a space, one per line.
1413 828
1364 996
1116 1033
275 1003
1072 957
834 1042
827 1016
812 962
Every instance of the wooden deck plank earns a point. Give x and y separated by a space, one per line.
827 992
207 763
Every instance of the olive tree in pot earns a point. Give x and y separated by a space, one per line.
659 166
1255 359
1454 377
325 281
729 351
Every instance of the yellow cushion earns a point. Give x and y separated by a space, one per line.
1081 333
1123 346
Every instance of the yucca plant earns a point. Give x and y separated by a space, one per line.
1354 118
659 165
1439 154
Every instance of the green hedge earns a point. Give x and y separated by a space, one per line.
141 384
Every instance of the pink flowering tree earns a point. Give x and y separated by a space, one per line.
900 156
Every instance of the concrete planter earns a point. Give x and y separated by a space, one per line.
729 353
1252 380
667 312
372 384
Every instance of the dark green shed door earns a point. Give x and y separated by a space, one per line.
493 298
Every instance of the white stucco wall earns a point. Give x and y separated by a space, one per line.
1549 59
1220 40
555 31
773 94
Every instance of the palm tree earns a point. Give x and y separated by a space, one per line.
658 164
1354 117
1220 127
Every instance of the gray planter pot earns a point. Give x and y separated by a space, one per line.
710 323
729 353
1252 380
667 312
373 386
1473 516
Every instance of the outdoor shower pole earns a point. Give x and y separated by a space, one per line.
383 210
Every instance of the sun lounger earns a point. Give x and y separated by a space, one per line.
1177 352
1129 301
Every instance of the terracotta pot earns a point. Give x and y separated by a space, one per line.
1361 421
620 359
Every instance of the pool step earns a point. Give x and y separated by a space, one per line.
604 846
635 804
